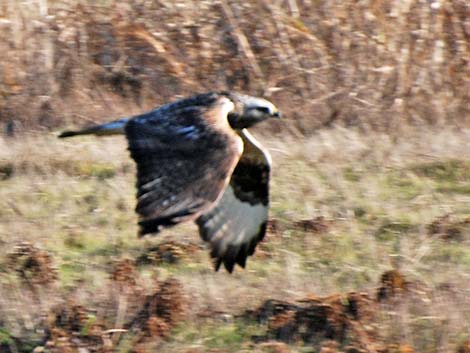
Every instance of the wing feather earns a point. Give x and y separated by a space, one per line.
185 153
237 223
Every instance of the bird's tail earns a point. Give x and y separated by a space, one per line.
112 128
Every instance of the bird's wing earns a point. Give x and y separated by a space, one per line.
237 223
185 153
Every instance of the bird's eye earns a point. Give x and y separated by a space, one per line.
264 110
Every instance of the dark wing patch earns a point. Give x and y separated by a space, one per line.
250 182
183 161
238 221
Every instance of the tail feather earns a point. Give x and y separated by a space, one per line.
112 128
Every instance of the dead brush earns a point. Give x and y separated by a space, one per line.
392 284
377 65
397 348
317 225
161 311
171 302
274 227
33 266
449 228
340 318
331 346
271 308
337 323
463 347
71 326
283 326
124 273
157 327
273 347
127 294
70 317
167 252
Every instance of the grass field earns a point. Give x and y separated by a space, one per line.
346 208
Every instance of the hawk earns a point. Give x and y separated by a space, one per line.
196 161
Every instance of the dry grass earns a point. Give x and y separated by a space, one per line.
347 207
374 64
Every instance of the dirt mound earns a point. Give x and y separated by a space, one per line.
161 311
392 284
274 347
396 348
312 319
72 327
348 323
464 347
316 225
449 228
171 303
170 252
124 273
274 227
34 266
271 308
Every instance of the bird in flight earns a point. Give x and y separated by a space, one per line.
196 161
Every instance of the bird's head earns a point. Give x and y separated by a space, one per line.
250 110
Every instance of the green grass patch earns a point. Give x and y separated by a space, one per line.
5 337
86 169
231 335
6 170
70 167
351 174
449 188
70 271
450 253
91 319
401 185
452 170
389 230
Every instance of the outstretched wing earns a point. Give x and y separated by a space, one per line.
185 153
238 221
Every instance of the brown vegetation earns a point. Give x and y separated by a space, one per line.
351 322
124 273
34 266
169 252
162 310
338 318
448 228
377 64
315 225
464 347
392 284
72 327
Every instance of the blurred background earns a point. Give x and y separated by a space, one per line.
378 64
368 242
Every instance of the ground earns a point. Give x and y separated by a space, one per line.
367 250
